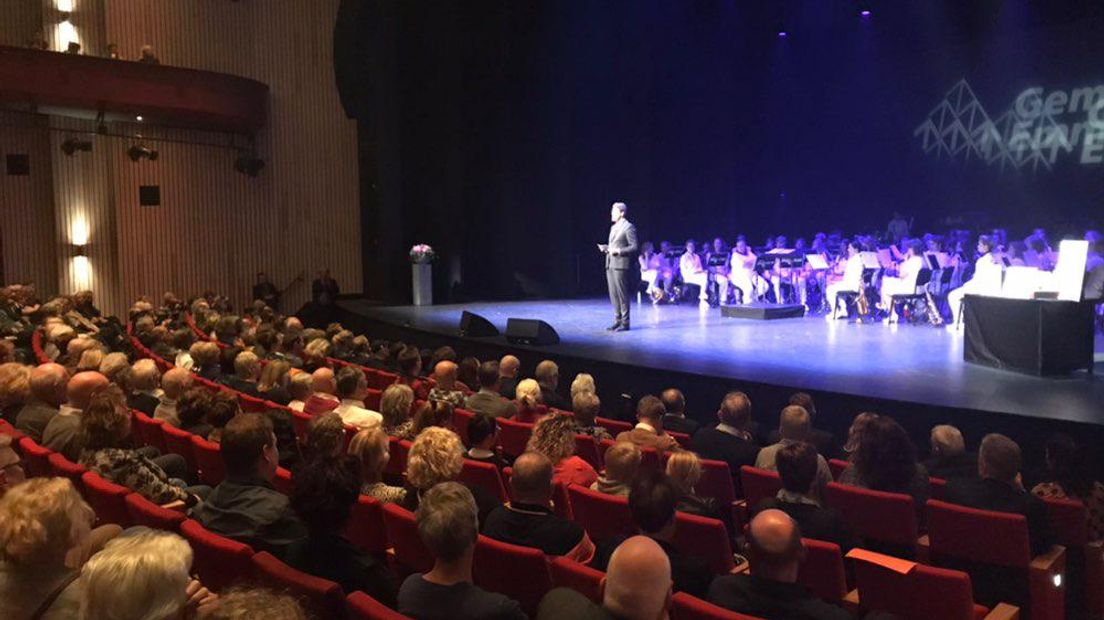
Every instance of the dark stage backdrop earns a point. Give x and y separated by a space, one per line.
499 132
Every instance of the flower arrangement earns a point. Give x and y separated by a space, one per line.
421 254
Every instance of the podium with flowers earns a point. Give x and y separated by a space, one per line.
421 259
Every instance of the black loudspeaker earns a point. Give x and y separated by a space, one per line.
149 195
530 331
473 325
352 42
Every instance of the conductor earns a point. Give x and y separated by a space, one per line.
620 260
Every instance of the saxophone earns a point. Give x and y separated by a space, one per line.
934 317
862 303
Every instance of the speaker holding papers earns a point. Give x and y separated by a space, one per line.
476 326
530 331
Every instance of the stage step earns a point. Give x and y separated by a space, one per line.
763 311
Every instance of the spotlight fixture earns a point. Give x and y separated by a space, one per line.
865 12
138 118
249 163
782 34
139 151
72 145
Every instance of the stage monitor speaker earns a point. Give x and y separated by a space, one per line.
530 331
476 326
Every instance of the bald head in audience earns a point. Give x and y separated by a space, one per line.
775 550
532 479
445 374
947 440
83 386
794 423
638 580
735 410
322 380
175 382
508 367
48 383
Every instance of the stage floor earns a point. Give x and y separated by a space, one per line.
920 364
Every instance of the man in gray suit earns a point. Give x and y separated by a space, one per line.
620 260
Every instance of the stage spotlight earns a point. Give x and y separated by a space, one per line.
72 145
139 151
782 34
249 163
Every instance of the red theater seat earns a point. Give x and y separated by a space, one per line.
208 455
518 572
179 441
460 420
586 447
613 426
513 436
106 498
602 516
758 484
1070 524
579 577
36 458
322 598
366 529
649 458
372 399
144 512
485 476
219 561
837 466
822 571
148 431
704 538
360 606
283 481
399 449
61 466
885 521
411 556
686 607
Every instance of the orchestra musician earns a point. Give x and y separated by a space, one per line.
904 283
852 280
666 278
650 268
984 267
742 274
692 272
718 273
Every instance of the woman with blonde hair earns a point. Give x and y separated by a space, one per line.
299 390
530 404
15 388
273 382
315 354
372 447
684 468
436 456
554 437
583 382
395 404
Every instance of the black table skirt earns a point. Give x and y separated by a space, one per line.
1037 336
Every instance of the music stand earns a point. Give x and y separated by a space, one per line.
816 262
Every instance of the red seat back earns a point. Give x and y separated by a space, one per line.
380 379
687 607
837 466
613 426
366 529
1069 521
399 449
283 481
36 458
704 538
587 449
106 498
144 512
322 598
7 429
925 592
938 487
520 573
300 423
410 553
219 561
179 441
208 455
649 457
513 436
360 606
979 536
683 439
887 518
148 431
759 484
460 420
716 482
602 516
486 476
822 571
567 573
372 399
250 404
61 466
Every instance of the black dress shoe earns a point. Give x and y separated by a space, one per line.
613 328
621 328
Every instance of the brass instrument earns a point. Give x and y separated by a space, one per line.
934 317
862 303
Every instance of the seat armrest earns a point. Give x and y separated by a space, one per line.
1004 611
851 602
1053 561
923 549
177 505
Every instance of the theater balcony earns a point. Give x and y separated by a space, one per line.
162 95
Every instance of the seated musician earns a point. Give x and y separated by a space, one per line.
692 272
667 267
650 266
742 274
781 275
983 276
904 283
718 273
852 280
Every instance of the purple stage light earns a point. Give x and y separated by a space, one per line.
782 34
865 13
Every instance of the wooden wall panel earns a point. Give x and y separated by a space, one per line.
20 21
27 205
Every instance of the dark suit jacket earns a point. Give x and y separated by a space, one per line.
998 496
553 399
490 404
711 443
146 403
508 388
680 424
567 603
959 466
621 253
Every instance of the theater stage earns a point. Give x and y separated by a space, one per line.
920 364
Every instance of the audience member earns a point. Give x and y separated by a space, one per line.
822 440
488 400
191 410
794 426
448 526
325 437
245 506
508 368
247 370
1069 475
142 392
250 603
221 408
483 437
325 491
648 432
173 385
583 382
116 367
446 389
432 413
653 501
949 458
299 389
62 434
731 440
372 447
528 519
548 377
15 389
554 437
11 469
587 406
775 553
622 461
47 395
797 467
104 440
885 460
674 417
273 385
141 575
437 456
352 386
395 406
410 371
468 375
323 396
637 586
684 470
858 426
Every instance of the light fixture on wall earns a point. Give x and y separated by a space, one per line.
141 151
80 250
248 163
72 145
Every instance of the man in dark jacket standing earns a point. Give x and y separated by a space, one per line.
620 259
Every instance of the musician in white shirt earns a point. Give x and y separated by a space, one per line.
690 268
741 273
985 280
852 276
905 281
649 267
